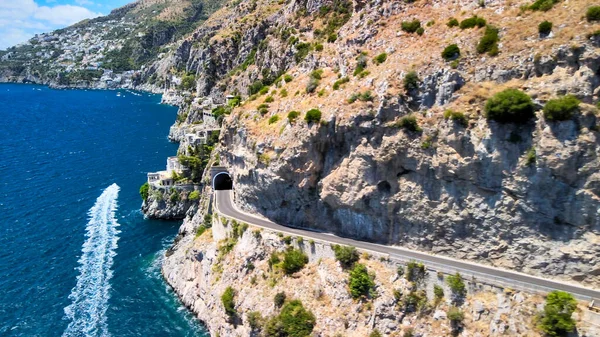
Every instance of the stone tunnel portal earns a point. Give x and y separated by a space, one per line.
222 181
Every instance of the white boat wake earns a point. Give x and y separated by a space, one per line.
87 312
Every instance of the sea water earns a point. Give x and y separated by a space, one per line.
77 258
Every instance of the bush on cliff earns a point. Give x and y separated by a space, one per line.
593 14
556 318
346 255
279 299
379 59
293 261
292 115
452 23
561 109
144 191
456 116
510 106
472 22
489 41
188 82
542 5
360 282
451 52
457 286
293 321
313 116
545 27
411 26
194 195
409 123
411 81
228 303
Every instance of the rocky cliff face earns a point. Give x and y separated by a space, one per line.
169 203
471 194
201 267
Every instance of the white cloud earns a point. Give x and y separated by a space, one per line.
84 2
64 14
22 19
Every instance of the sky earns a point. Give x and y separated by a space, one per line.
20 20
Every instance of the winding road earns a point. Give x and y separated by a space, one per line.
493 275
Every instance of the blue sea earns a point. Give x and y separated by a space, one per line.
77 257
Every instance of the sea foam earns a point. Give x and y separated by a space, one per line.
87 312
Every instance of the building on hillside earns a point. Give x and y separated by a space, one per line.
165 178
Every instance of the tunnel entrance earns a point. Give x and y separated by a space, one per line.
222 181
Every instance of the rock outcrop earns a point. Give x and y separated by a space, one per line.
169 203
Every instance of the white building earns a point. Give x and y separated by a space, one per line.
165 178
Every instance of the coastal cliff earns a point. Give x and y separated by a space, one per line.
203 264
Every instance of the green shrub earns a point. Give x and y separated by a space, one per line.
472 22
415 300
415 272
144 191
338 83
545 27
489 41
269 99
411 81
318 47
411 26
346 255
255 87
302 50
379 59
510 106
375 333
420 31
294 260
292 116
438 292
457 285
264 90
255 320
556 318
293 321
279 299
593 14
188 82
451 52
228 303
452 23
287 78
273 119
360 282
530 156
561 109
283 93
542 5
456 116
361 64
455 315
331 38
409 123
194 195
313 116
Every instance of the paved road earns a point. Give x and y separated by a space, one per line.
225 206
